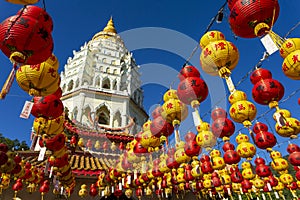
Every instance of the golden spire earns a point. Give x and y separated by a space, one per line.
108 30
110 27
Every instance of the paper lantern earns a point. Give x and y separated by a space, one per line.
217 55
40 79
266 89
26 38
191 89
188 71
249 19
49 107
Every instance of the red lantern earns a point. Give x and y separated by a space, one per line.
45 187
265 88
156 112
18 185
216 179
3 158
26 37
236 175
221 127
206 166
171 162
188 173
189 136
218 113
49 107
55 143
262 169
139 150
160 126
246 184
192 88
191 148
294 157
263 138
230 155
188 71
251 18
155 171
93 190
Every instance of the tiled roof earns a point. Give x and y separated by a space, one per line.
82 163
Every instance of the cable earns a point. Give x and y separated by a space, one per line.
207 29
292 29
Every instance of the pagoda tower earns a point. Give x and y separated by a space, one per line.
101 84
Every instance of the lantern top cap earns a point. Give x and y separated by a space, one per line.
108 31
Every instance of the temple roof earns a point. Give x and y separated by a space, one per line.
82 163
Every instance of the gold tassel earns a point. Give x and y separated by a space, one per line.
8 83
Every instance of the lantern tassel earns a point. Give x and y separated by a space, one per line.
8 83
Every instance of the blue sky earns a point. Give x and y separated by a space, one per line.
76 21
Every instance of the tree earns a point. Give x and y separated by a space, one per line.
14 144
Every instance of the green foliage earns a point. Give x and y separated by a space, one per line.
14 144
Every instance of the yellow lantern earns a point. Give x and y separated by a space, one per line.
279 187
245 149
247 171
146 125
174 109
211 36
180 155
41 79
180 175
286 178
170 94
145 139
219 54
241 110
23 2
163 164
278 163
154 141
258 183
196 170
290 51
217 161
50 127
288 126
206 139
288 46
207 183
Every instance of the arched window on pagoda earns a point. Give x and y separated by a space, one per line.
117 121
106 83
70 85
77 83
115 85
75 113
86 119
103 115
97 82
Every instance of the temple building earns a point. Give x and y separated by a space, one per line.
101 84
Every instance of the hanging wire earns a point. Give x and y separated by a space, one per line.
12 24
212 21
291 30
44 5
